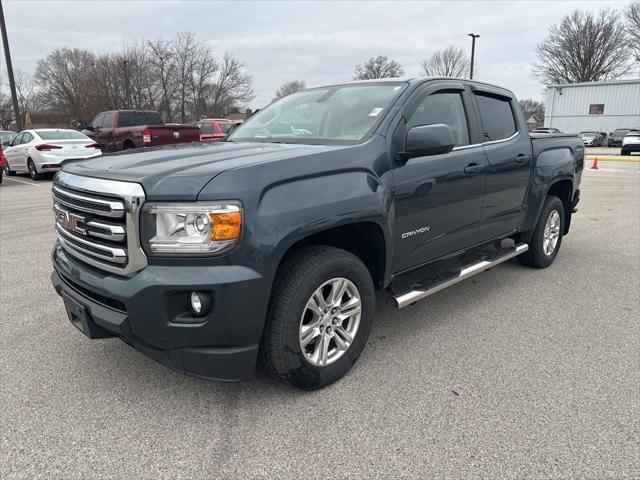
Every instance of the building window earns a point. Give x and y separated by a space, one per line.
596 109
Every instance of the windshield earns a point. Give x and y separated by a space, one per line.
621 131
339 115
590 134
61 135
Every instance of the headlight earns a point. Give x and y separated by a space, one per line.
190 228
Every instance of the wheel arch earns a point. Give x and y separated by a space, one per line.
364 239
561 187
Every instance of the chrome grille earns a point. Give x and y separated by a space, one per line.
97 221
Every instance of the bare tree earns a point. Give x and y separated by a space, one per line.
378 67
532 107
584 47
288 88
181 78
6 110
450 62
161 57
232 89
632 14
67 78
29 98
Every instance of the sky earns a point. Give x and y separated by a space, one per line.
319 42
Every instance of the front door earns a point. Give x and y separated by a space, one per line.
13 154
438 198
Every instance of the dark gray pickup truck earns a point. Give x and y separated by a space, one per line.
269 246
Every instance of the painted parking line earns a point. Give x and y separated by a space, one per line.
21 181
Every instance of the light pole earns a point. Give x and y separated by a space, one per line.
473 52
126 85
12 83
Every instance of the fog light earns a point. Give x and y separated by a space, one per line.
200 304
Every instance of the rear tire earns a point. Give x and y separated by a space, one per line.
33 171
128 145
547 236
625 152
312 339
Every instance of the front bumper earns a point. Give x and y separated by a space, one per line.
149 311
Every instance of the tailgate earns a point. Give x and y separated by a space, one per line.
167 134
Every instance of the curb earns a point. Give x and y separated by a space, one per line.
613 158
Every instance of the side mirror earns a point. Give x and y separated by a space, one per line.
429 140
7 144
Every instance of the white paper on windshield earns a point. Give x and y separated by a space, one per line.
375 112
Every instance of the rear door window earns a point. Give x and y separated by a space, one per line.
140 119
153 118
206 128
496 114
126 119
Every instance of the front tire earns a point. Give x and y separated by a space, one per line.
8 171
320 317
547 236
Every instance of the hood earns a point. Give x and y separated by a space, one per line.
179 172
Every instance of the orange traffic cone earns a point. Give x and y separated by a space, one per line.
595 164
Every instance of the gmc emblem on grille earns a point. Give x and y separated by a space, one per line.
176 134
69 221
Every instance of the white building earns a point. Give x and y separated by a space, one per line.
593 106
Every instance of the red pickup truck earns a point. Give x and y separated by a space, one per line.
123 129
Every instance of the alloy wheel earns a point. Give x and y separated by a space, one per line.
551 233
330 321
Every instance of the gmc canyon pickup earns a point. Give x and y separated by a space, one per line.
269 245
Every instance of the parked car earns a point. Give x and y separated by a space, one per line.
5 137
546 130
270 244
124 129
615 138
43 150
214 129
592 139
631 142
3 162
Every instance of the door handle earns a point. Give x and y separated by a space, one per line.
521 159
473 168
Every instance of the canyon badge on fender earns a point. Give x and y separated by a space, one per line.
417 231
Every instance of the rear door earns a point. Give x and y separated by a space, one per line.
507 146
23 150
438 198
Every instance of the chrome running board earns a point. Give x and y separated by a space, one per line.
442 281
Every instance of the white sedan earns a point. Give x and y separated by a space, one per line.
43 150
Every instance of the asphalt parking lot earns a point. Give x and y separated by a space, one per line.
515 373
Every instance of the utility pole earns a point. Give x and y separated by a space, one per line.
126 85
473 52
12 82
